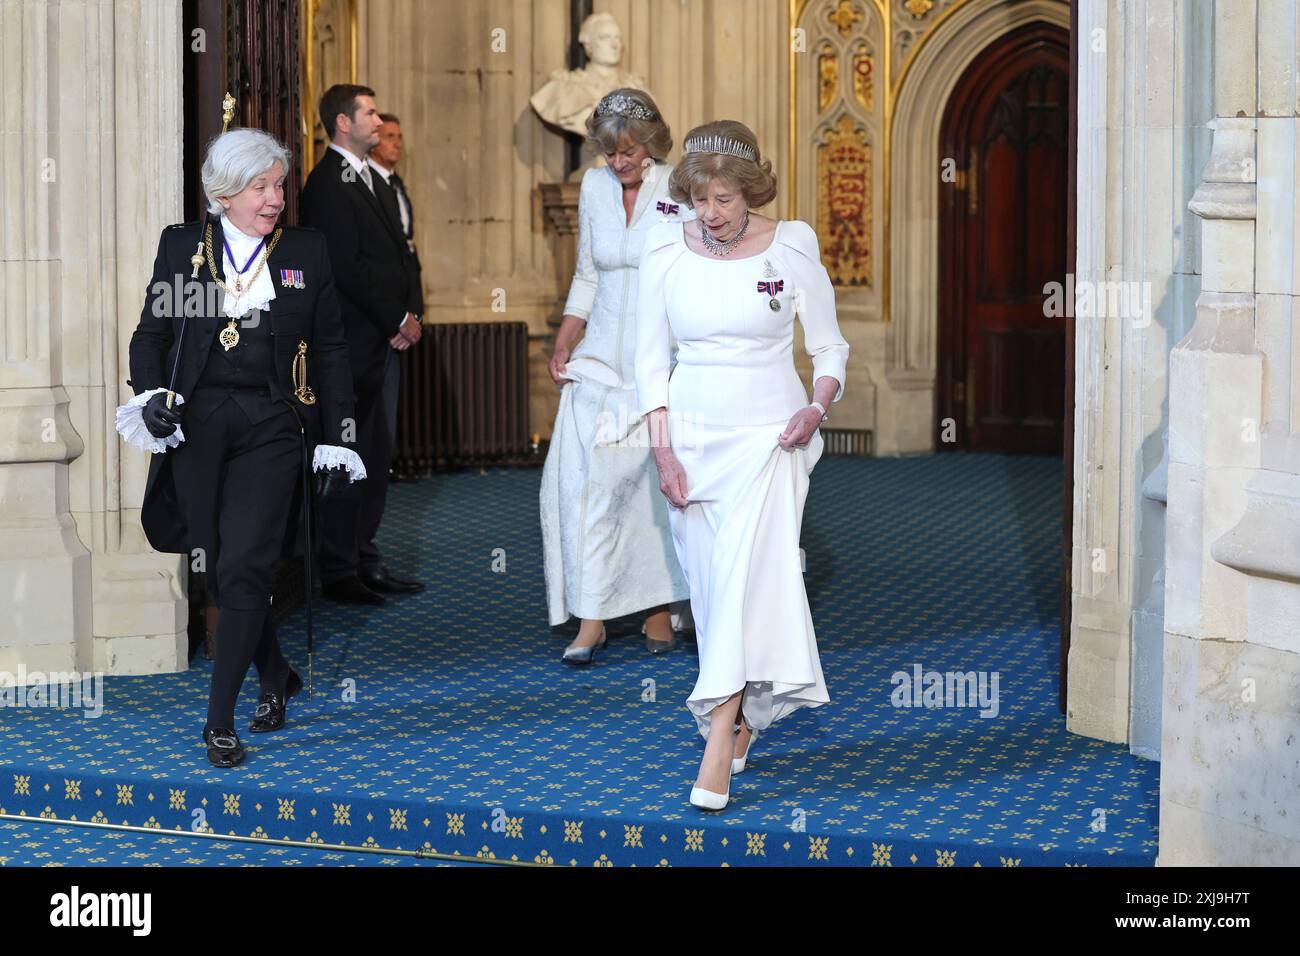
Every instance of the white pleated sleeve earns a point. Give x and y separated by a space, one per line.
814 301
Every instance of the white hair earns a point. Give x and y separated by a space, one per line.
235 159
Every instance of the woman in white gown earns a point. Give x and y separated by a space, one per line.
608 550
735 438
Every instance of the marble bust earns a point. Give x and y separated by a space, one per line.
570 96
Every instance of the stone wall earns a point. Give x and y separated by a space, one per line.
477 153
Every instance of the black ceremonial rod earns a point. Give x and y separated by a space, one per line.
196 260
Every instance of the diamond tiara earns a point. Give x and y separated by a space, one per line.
720 144
620 104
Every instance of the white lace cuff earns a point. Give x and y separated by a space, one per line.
331 456
130 424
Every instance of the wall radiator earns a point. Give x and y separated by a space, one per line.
464 398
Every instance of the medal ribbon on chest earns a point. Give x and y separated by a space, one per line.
771 287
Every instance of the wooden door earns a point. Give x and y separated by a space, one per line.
251 49
1002 238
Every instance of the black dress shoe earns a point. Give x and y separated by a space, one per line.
350 591
270 710
224 748
382 580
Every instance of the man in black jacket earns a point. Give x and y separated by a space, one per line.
383 160
379 294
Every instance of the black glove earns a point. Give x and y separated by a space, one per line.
158 418
331 482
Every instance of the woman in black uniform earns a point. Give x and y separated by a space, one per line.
261 378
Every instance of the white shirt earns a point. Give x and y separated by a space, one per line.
402 208
262 291
735 354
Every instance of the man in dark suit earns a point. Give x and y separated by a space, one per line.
383 160
378 291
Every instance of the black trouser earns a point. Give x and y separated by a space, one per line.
350 521
235 482
392 392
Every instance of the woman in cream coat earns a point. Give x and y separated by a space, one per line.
608 551
735 437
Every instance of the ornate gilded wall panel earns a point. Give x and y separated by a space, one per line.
329 43
844 208
864 66
839 130
828 72
848 61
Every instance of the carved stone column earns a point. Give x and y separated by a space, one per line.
1139 162
94 151
1230 770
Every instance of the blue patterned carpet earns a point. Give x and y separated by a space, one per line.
40 843
446 722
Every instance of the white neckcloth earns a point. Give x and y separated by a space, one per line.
262 291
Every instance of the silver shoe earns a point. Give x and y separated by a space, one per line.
660 647
583 655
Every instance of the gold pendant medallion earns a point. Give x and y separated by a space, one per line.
229 336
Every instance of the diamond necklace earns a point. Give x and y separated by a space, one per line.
723 248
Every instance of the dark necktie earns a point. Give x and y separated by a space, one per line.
388 199
400 188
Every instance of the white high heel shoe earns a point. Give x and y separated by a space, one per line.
708 800
738 763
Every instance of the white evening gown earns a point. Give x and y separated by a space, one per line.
607 546
729 397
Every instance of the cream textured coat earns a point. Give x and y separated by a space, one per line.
607 547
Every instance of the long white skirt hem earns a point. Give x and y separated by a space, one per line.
738 544
606 544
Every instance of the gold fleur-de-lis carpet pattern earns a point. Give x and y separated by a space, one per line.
39 843
445 721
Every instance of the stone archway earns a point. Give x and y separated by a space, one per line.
936 66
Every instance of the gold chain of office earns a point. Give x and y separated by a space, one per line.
229 336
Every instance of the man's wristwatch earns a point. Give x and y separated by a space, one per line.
821 408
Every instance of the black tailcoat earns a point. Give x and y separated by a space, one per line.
310 315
